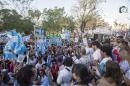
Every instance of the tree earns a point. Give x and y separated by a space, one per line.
21 6
16 16
34 15
10 19
96 22
86 13
70 23
55 19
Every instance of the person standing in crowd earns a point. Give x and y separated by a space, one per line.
124 51
112 75
31 60
81 76
97 53
115 51
26 76
39 63
43 79
106 55
60 62
65 75
89 52
125 62
54 71
83 59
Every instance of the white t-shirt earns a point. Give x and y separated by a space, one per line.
64 77
61 67
97 55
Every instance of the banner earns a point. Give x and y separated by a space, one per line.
53 34
55 40
40 46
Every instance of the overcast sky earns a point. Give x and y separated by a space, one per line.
109 10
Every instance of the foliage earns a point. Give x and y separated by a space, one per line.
16 16
21 16
34 15
55 20
10 19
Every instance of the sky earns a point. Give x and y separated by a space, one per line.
109 10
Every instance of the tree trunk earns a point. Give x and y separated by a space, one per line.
82 27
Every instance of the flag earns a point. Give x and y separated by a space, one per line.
39 32
40 46
14 46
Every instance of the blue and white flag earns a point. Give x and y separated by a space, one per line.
15 45
40 47
39 32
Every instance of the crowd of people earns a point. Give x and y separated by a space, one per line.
73 64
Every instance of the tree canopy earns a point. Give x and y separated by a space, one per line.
55 19
22 17
10 19
18 14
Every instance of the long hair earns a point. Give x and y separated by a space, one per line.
113 71
24 75
82 72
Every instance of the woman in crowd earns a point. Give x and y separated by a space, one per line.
106 55
43 79
112 75
26 76
81 76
